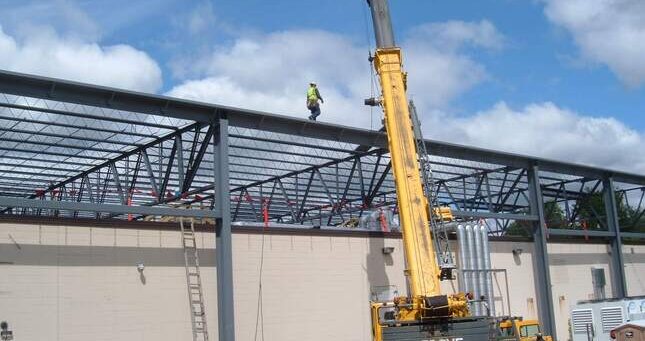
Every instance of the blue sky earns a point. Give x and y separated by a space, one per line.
498 63
538 65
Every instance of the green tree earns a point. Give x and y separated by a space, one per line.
592 212
553 215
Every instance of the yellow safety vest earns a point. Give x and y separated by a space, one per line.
311 94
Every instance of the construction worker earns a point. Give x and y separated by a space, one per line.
313 95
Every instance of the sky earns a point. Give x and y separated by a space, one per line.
560 79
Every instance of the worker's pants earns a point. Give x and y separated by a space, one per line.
315 112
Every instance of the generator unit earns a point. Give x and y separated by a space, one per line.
593 320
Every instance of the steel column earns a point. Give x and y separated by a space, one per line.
617 264
541 258
225 307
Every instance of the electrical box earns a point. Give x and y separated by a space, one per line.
599 282
598 277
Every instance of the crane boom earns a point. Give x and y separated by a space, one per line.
423 271
424 299
413 213
424 314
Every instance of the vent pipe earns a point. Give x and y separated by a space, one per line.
464 260
486 273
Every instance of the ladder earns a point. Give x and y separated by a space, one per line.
439 230
194 281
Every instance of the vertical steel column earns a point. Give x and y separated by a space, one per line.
223 245
541 257
618 282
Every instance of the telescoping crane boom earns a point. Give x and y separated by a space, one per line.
424 312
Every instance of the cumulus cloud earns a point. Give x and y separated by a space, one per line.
546 130
441 68
611 32
270 72
48 54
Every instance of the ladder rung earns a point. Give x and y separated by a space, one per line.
193 279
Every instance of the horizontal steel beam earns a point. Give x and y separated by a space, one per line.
580 233
493 215
74 92
635 235
107 208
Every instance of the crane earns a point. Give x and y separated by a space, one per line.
425 313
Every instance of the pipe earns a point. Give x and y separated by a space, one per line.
488 275
479 261
472 266
464 253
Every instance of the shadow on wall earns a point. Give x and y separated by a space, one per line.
376 263
71 255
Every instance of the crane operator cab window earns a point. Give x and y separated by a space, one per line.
529 330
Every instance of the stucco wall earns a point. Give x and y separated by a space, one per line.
80 283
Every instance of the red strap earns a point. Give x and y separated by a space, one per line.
265 212
129 204
383 222
584 227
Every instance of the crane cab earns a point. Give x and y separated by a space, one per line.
521 330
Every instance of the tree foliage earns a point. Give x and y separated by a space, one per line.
553 215
591 214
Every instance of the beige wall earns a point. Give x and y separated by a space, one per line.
634 257
80 283
571 277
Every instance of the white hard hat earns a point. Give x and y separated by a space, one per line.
312 82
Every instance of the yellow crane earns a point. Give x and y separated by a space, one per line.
425 313
424 301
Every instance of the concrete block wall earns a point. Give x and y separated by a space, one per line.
571 279
634 258
79 283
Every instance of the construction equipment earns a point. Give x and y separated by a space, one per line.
194 282
515 328
438 215
425 313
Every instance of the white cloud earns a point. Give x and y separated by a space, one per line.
545 130
270 72
440 68
610 32
452 35
46 53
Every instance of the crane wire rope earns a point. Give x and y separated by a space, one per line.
374 86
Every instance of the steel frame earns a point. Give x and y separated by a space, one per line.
76 150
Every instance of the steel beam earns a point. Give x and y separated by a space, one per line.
541 270
618 282
73 92
494 215
106 208
225 305
580 233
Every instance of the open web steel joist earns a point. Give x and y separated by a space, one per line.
70 149
75 150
